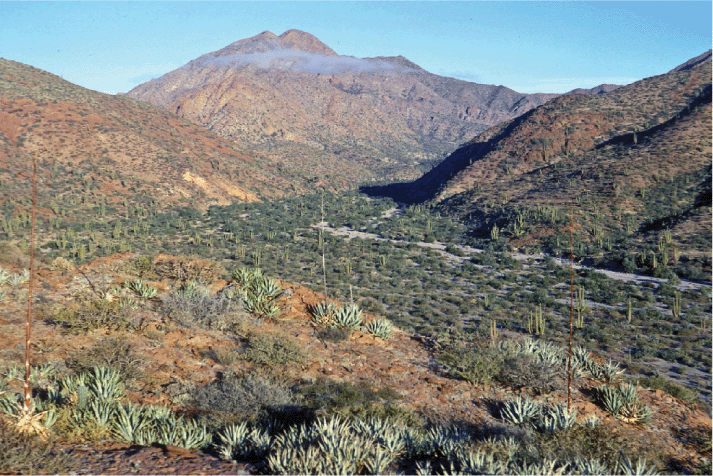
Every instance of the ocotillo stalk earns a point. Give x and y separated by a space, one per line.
321 233
28 330
571 307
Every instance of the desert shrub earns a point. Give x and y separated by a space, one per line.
583 445
267 349
114 352
23 454
97 314
194 304
141 266
186 268
477 363
672 388
532 372
244 398
333 334
354 400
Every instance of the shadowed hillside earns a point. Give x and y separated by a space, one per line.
635 161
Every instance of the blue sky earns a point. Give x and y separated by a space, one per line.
527 46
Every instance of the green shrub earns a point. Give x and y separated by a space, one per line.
194 304
246 398
476 362
659 382
266 349
98 314
357 400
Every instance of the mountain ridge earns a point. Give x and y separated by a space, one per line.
295 95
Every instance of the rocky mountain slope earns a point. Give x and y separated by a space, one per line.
637 159
125 153
293 97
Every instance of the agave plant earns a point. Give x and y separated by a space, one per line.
102 412
232 439
19 278
4 276
105 384
607 372
258 292
141 288
590 466
180 432
381 328
130 424
556 418
379 461
640 468
348 317
623 402
323 313
520 410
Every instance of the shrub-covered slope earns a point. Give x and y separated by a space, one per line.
635 163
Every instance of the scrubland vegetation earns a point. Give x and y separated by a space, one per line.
491 319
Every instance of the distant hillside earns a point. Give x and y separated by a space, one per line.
597 90
124 152
635 161
293 97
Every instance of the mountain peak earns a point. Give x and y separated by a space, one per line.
268 41
303 41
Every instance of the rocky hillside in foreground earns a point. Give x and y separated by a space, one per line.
219 371
124 153
293 97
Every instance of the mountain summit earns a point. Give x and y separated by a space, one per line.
268 41
297 100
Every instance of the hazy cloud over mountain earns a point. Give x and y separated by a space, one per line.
303 61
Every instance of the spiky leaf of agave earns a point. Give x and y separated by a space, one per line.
380 328
348 317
